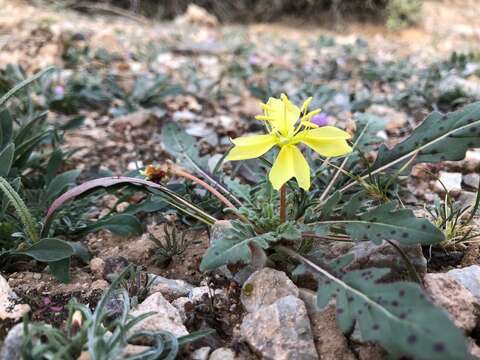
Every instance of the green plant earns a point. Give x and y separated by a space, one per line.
350 199
402 13
30 163
455 220
90 331
171 245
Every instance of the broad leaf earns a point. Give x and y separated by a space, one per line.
61 183
183 147
60 270
48 250
6 128
234 246
396 315
440 137
121 224
386 222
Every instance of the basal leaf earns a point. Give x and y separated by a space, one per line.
6 128
121 224
48 250
61 270
440 137
234 246
396 315
387 222
61 183
183 147
6 159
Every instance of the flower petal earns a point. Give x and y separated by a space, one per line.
249 147
328 141
283 114
290 163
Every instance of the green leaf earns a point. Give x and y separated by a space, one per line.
234 246
61 183
183 147
329 205
23 85
6 159
396 315
240 190
80 251
385 222
48 250
61 270
121 224
6 128
288 231
440 137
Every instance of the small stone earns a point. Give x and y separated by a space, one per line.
12 345
222 354
37 276
468 277
471 180
451 181
170 289
280 331
201 353
330 342
202 293
99 284
135 119
395 119
97 266
264 287
166 317
449 294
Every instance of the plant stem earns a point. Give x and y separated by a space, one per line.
202 183
283 204
410 267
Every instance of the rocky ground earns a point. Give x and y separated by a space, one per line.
211 78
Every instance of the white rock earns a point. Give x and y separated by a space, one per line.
280 331
468 277
472 180
166 317
170 288
200 354
9 309
264 287
451 181
222 354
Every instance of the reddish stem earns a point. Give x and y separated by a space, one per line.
200 182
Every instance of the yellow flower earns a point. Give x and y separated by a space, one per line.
288 126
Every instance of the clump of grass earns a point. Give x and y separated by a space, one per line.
403 13
170 246
455 221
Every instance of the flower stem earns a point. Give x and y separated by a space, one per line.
283 204
202 183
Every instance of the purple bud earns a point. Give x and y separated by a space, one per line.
320 119
59 90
